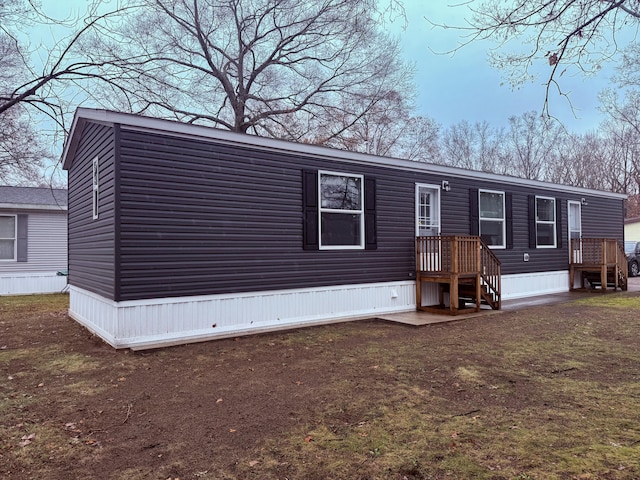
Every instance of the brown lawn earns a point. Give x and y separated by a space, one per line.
543 393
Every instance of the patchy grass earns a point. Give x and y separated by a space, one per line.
546 393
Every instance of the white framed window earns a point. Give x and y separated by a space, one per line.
427 210
96 187
492 218
341 210
8 237
545 222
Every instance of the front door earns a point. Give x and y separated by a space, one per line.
574 210
427 210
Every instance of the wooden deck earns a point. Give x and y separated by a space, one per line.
462 267
597 265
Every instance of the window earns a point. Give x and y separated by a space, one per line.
341 203
96 188
8 237
492 218
427 210
545 222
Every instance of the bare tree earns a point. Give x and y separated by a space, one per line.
21 149
421 140
40 83
386 128
622 129
475 146
561 33
582 161
271 67
532 143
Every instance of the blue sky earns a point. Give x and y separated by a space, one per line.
463 86
452 88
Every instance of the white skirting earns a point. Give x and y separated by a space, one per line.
514 286
160 322
140 324
32 283
531 284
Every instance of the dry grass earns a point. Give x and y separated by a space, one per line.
546 393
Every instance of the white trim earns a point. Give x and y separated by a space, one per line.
544 222
579 204
503 220
179 129
168 321
573 255
322 210
95 191
15 238
436 189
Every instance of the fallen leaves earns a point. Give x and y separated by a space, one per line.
27 439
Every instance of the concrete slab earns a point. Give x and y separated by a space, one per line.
424 318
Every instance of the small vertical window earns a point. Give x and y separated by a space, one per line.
492 218
96 188
545 222
8 236
341 203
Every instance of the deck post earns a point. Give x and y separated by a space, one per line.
477 249
603 267
418 276
455 277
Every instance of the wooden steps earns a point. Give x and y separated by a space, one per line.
462 267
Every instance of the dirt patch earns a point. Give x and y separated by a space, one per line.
550 392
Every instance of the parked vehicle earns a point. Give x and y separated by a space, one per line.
632 250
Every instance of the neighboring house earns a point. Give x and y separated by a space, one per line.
632 229
182 233
33 240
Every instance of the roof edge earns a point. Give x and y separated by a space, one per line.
175 128
33 206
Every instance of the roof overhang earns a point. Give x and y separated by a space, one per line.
170 127
27 206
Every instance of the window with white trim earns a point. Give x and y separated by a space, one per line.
8 237
492 218
545 222
96 188
341 219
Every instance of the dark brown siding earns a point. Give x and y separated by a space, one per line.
200 218
91 242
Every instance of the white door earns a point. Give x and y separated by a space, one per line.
427 210
574 210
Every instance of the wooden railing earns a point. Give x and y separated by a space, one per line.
460 255
454 254
599 254
491 273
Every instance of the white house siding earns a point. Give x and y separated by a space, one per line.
524 285
632 231
47 254
140 324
